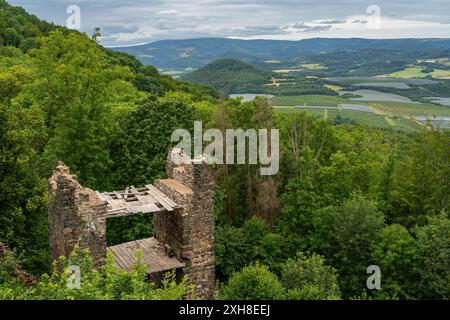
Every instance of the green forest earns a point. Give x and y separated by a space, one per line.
347 196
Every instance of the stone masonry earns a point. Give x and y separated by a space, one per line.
190 231
77 216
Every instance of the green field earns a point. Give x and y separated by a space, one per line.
313 66
411 109
410 72
417 72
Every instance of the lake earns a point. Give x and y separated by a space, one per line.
441 101
374 95
441 122
345 106
250 96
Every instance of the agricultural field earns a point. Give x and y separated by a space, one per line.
411 109
441 74
417 72
309 100
385 114
313 66
362 118
409 72
333 87
396 85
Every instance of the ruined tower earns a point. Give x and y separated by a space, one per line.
183 209
190 230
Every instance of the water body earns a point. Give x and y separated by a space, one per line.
250 96
373 95
441 101
350 107
396 85
441 122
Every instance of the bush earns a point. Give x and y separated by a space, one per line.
254 282
308 278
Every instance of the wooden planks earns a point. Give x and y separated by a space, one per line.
167 203
133 200
153 255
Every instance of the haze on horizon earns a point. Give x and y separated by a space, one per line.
131 22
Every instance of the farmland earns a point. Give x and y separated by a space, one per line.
397 115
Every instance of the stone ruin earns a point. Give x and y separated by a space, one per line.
183 209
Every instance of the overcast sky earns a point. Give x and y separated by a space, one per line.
127 22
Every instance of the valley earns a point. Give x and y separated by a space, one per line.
383 101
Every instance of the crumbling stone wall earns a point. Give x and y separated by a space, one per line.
76 216
189 232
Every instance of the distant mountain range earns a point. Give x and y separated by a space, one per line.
195 53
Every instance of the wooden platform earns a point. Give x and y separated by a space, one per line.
153 255
136 200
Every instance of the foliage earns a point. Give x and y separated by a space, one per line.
395 253
308 278
23 203
254 282
126 229
433 257
420 185
229 75
253 242
356 226
140 148
107 283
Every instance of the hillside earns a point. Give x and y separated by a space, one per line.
19 28
229 75
195 53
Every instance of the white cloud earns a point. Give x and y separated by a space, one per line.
127 21
356 27
168 12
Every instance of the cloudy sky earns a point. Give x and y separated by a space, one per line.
126 22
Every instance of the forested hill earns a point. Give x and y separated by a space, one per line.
22 30
229 75
195 53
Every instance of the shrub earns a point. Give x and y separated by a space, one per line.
308 278
254 282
